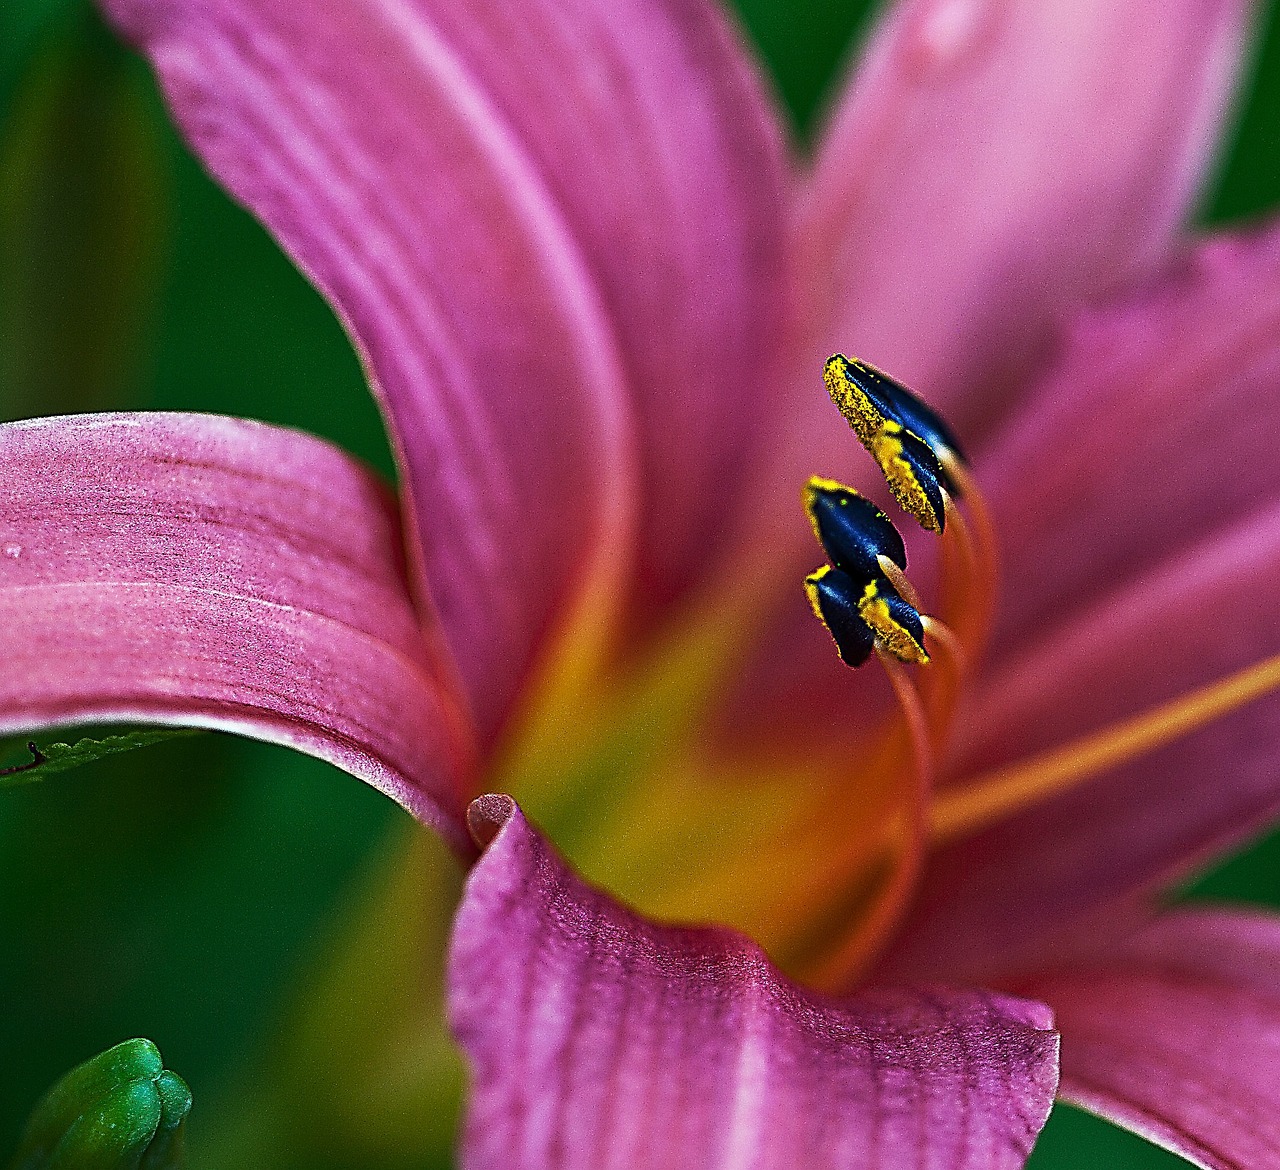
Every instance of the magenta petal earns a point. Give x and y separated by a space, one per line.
551 229
599 1039
1015 893
994 163
205 571
657 140
1155 427
1175 1036
1144 473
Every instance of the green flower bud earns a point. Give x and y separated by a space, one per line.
119 1111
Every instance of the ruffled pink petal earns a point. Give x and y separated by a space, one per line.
994 163
1177 1036
1139 503
554 233
211 572
599 1039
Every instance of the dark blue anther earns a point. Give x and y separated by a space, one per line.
834 596
901 618
929 473
895 401
851 529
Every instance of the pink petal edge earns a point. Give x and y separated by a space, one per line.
1175 1035
599 1039
212 572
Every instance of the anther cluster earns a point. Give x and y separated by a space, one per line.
859 595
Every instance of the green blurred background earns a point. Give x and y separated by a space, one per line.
245 907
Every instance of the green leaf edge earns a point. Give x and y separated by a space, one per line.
62 757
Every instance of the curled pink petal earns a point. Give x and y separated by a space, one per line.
210 572
598 1039
1174 1035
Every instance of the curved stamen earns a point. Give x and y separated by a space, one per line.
981 546
943 684
898 579
967 585
968 807
912 825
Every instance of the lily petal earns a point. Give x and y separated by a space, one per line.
1175 1035
672 173
994 163
600 1039
547 304
1153 429
211 572
1162 582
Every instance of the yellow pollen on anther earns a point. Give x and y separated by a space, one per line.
811 591
886 448
859 411
897 639
1005 791
815 485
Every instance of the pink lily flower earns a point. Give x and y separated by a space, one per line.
593 292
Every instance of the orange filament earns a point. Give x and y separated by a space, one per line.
898 579
988 547
1005 791
969 558
862 945
942 684
967 586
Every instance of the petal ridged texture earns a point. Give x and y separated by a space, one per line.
672 172
546 303
600 1040
196 570
1177 1035
1168 586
